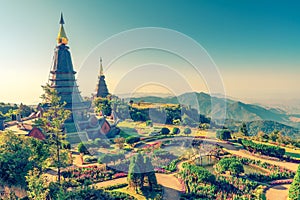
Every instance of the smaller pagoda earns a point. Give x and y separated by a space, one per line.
101 89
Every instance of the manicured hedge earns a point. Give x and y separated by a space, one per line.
264 149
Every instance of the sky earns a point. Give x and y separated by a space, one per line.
254 46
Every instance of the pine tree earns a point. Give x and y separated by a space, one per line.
294 191
52 123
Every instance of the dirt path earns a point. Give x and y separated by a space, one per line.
172 186
278 192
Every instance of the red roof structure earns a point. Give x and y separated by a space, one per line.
37 133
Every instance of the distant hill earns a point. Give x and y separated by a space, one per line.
258 117
234 109
269 126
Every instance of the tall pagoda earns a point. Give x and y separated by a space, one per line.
101 89
62 75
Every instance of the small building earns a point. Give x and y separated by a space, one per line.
36 133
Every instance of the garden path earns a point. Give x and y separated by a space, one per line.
278 192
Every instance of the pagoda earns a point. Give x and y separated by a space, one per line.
62 75
101 89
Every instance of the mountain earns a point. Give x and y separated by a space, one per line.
258 118
214 106
269 126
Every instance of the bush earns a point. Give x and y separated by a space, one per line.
294 191
82 148
233 165
90 159
165 131
187 131
132 139
176 130
117 186
224 134
264 149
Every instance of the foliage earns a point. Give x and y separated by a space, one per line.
120 142
233 165
276 172
52 123
108 158
294 191
223 134
188 121
15 159
116 186
132 139
140 168
264 149
90 159
37 185
175 130
103 105
172 166
82 148
187 131
244 130
193 176
165 131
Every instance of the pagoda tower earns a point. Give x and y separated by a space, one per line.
101 89
62 75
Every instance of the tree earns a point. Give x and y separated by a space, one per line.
274 136
149 172
134 174
294 191
15 159
176 130
193 176
37 185
224 134
165 131
132 139
103 105
52 123
24 110
82 148
187 131
120 142
244 130
188 121
233 165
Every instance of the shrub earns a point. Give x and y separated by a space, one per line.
233 165
223 134
82 148
263 149
187 131
176 130
132 139
165 131
294 191
90 159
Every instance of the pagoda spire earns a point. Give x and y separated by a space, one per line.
101 67
101 89
62 36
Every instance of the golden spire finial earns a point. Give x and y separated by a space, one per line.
101 67
62 37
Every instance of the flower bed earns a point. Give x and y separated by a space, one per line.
276 172
93 174
279 182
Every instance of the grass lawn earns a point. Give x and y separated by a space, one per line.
150 195
130 192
